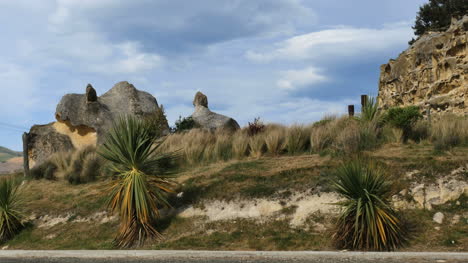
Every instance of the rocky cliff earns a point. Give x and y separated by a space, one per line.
84 119
431 74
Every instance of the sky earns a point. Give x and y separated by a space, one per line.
285 61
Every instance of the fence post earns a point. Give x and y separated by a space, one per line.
363 100
351 110
25 154
428 114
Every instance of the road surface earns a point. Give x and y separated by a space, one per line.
183 256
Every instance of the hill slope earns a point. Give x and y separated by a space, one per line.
6 154
271 203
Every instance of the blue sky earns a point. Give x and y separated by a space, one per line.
286 61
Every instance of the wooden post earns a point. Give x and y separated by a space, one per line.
428 114
25 154
363 100
351 110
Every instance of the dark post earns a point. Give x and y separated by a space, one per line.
25 154
428 113
351 110
363 100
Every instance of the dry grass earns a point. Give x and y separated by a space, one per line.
448 132
297 138
275 139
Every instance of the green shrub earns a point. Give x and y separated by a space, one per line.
184 124
157 122
367 221
403 118
255 127
11 216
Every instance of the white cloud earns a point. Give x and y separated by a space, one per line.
337 42
295 79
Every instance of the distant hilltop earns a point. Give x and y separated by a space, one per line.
6 154
431 73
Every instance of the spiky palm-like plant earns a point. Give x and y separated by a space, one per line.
142 179
367 222
370 110
10 215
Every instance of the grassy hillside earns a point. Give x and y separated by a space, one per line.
65 216
6 154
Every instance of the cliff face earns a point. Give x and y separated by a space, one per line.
432 73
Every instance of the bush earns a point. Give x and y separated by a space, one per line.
11 217
367 221
184 124
157 122
403 118
255 127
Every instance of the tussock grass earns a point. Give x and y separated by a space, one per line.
448 132
275 138
297 138
257 145
240 145
77 167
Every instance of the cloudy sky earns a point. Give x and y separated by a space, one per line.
286 61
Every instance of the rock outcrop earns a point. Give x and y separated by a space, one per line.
84 119
207 119
432 73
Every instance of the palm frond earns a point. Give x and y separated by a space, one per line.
142 179
367 221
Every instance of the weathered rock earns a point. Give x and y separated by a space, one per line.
444 189
200 100
207 119
91 95
84 119
45 140
438 217
432 73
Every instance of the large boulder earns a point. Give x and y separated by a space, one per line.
431 73
207 119
43 141
84 119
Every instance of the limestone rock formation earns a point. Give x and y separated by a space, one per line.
432 73
84 119
207 119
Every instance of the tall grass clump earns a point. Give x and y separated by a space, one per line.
45 170
257 145
322 135
142 180
223 146
77 167
240 144
275 138
11 217
194 145
367 220
448 132
297 139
